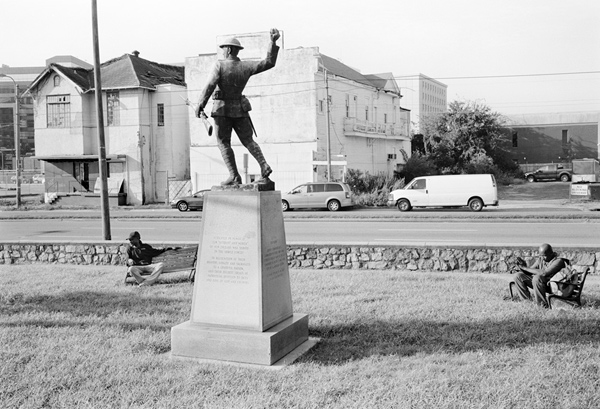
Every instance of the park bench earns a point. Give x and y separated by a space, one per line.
181 259
574 299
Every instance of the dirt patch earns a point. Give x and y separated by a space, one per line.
535 191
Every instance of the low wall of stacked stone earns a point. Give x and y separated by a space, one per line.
488 259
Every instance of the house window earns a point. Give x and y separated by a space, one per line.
56 80
321 106
112 108
385 118
515 139
366 112
58 109
160 114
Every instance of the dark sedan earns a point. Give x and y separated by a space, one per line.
193 202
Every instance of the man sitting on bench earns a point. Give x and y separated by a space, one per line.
538 275
140 260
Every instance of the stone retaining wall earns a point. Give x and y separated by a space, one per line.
485 259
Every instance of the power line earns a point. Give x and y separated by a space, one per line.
343 80
417 76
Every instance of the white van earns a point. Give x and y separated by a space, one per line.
474 191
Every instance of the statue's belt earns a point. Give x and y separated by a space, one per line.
225 97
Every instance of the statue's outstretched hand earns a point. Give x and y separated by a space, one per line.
275 34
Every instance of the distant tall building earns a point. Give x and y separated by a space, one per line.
23 76
423 95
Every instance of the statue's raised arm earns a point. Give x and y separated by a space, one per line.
274 35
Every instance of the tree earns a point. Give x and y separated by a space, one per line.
466 136
417 165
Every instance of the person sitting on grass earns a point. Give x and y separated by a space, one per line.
140 260
538 275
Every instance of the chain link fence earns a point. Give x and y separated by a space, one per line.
178 188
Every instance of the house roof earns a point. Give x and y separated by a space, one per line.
127 71
131 71
384 81
82 77
387 81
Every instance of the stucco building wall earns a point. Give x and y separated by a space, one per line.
553 137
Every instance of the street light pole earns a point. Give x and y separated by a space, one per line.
17 140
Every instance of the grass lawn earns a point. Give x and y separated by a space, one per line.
76 337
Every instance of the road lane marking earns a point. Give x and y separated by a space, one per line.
432 230
428 241
66 237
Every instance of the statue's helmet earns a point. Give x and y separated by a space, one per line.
231 42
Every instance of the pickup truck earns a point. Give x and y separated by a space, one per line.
550 172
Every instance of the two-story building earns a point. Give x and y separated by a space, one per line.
145 123
311 113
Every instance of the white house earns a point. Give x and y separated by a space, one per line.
364 127
146 129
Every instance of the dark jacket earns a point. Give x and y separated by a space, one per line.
143 254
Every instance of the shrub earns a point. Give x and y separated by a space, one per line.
371 190
418 165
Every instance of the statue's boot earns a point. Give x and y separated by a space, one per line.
232 180
256 152
229 159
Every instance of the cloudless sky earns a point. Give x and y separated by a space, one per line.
515 45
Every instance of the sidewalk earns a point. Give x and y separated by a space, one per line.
508 209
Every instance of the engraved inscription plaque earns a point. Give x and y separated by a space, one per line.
242 277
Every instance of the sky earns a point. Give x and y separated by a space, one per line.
515 56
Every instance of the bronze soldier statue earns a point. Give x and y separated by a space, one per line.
230 110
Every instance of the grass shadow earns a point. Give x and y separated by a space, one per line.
343 343
87 308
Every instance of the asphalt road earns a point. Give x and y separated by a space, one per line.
563 233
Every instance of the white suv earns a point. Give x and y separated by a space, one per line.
332 195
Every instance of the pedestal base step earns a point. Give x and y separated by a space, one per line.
237 345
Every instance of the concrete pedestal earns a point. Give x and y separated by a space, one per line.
242 302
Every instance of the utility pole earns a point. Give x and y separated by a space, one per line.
100 127
327 120
17 145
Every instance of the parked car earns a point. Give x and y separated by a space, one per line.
193 202
332 195
555 171
474 191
